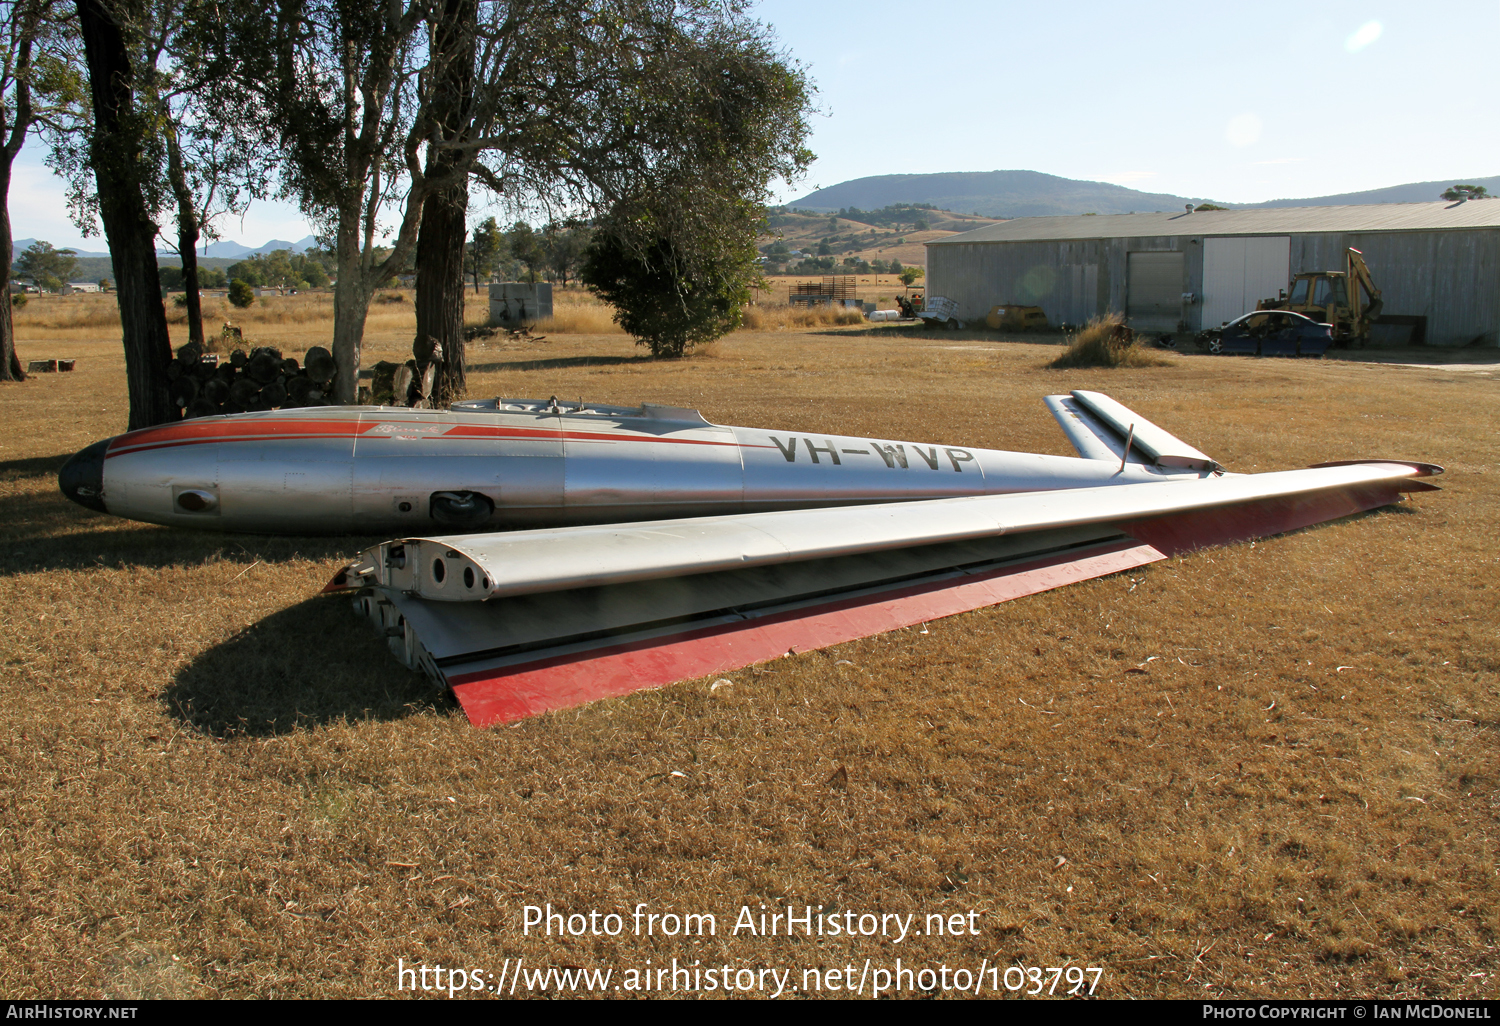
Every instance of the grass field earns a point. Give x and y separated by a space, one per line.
1265 770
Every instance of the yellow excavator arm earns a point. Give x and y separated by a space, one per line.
1367 310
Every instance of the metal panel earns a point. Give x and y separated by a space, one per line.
1239 272
1154 290
1373 217
1083 303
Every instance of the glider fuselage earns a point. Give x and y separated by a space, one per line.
518 463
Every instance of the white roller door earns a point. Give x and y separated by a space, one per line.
1237 273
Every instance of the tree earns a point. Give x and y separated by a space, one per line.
1459 193
563 246
241 294
330 84
527 248
668 298
485 245
49 268
194 165
575 104
677 258
116 145
39 87
909 275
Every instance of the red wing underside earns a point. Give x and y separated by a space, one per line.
537 686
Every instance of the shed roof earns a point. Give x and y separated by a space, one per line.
1373 217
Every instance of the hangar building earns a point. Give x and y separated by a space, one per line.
1189 270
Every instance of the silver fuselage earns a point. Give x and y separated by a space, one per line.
376 470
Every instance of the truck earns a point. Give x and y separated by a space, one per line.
1346 300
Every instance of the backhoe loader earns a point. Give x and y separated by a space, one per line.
1348 299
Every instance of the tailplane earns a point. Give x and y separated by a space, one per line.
1102 429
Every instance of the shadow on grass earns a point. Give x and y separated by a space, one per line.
35 466
875 332
559 363
41 532
313 664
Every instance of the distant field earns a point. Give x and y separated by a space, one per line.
1268 770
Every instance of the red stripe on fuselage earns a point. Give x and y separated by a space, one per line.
189 433
203 432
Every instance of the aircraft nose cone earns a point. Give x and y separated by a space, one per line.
82 477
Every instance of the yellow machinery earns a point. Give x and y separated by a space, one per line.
1011 317
1347 299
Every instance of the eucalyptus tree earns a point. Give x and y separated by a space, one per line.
484 250
40 87
677 255
167 144
119 145
210 166
380 107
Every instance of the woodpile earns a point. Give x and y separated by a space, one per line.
408 384
262 379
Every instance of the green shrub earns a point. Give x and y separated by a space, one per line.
664 308
240 293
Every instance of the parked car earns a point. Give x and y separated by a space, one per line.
1269 333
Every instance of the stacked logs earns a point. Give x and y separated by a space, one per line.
205 386
409 384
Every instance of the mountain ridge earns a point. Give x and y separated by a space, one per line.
1005 194
224 249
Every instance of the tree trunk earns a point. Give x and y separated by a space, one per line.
187 237
440 286
115 154
351 305
440 243
10 363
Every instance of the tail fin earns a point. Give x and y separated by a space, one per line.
1099 429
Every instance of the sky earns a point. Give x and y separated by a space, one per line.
1239 103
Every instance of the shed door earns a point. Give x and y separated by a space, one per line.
1238 273
1153 297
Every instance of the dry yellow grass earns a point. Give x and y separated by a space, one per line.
576 311
783 318
1097 345
272 318
1258 771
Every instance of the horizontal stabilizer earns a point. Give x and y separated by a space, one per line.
1092 437
1099 427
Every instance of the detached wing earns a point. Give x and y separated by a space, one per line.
522 622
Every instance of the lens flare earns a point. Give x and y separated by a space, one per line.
1243 130
1363 37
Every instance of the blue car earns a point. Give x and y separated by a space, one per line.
1269 333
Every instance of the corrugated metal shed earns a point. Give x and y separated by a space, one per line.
1380 217
1437 262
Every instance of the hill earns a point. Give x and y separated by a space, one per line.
1005 194
895 232
1413 192
995 194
